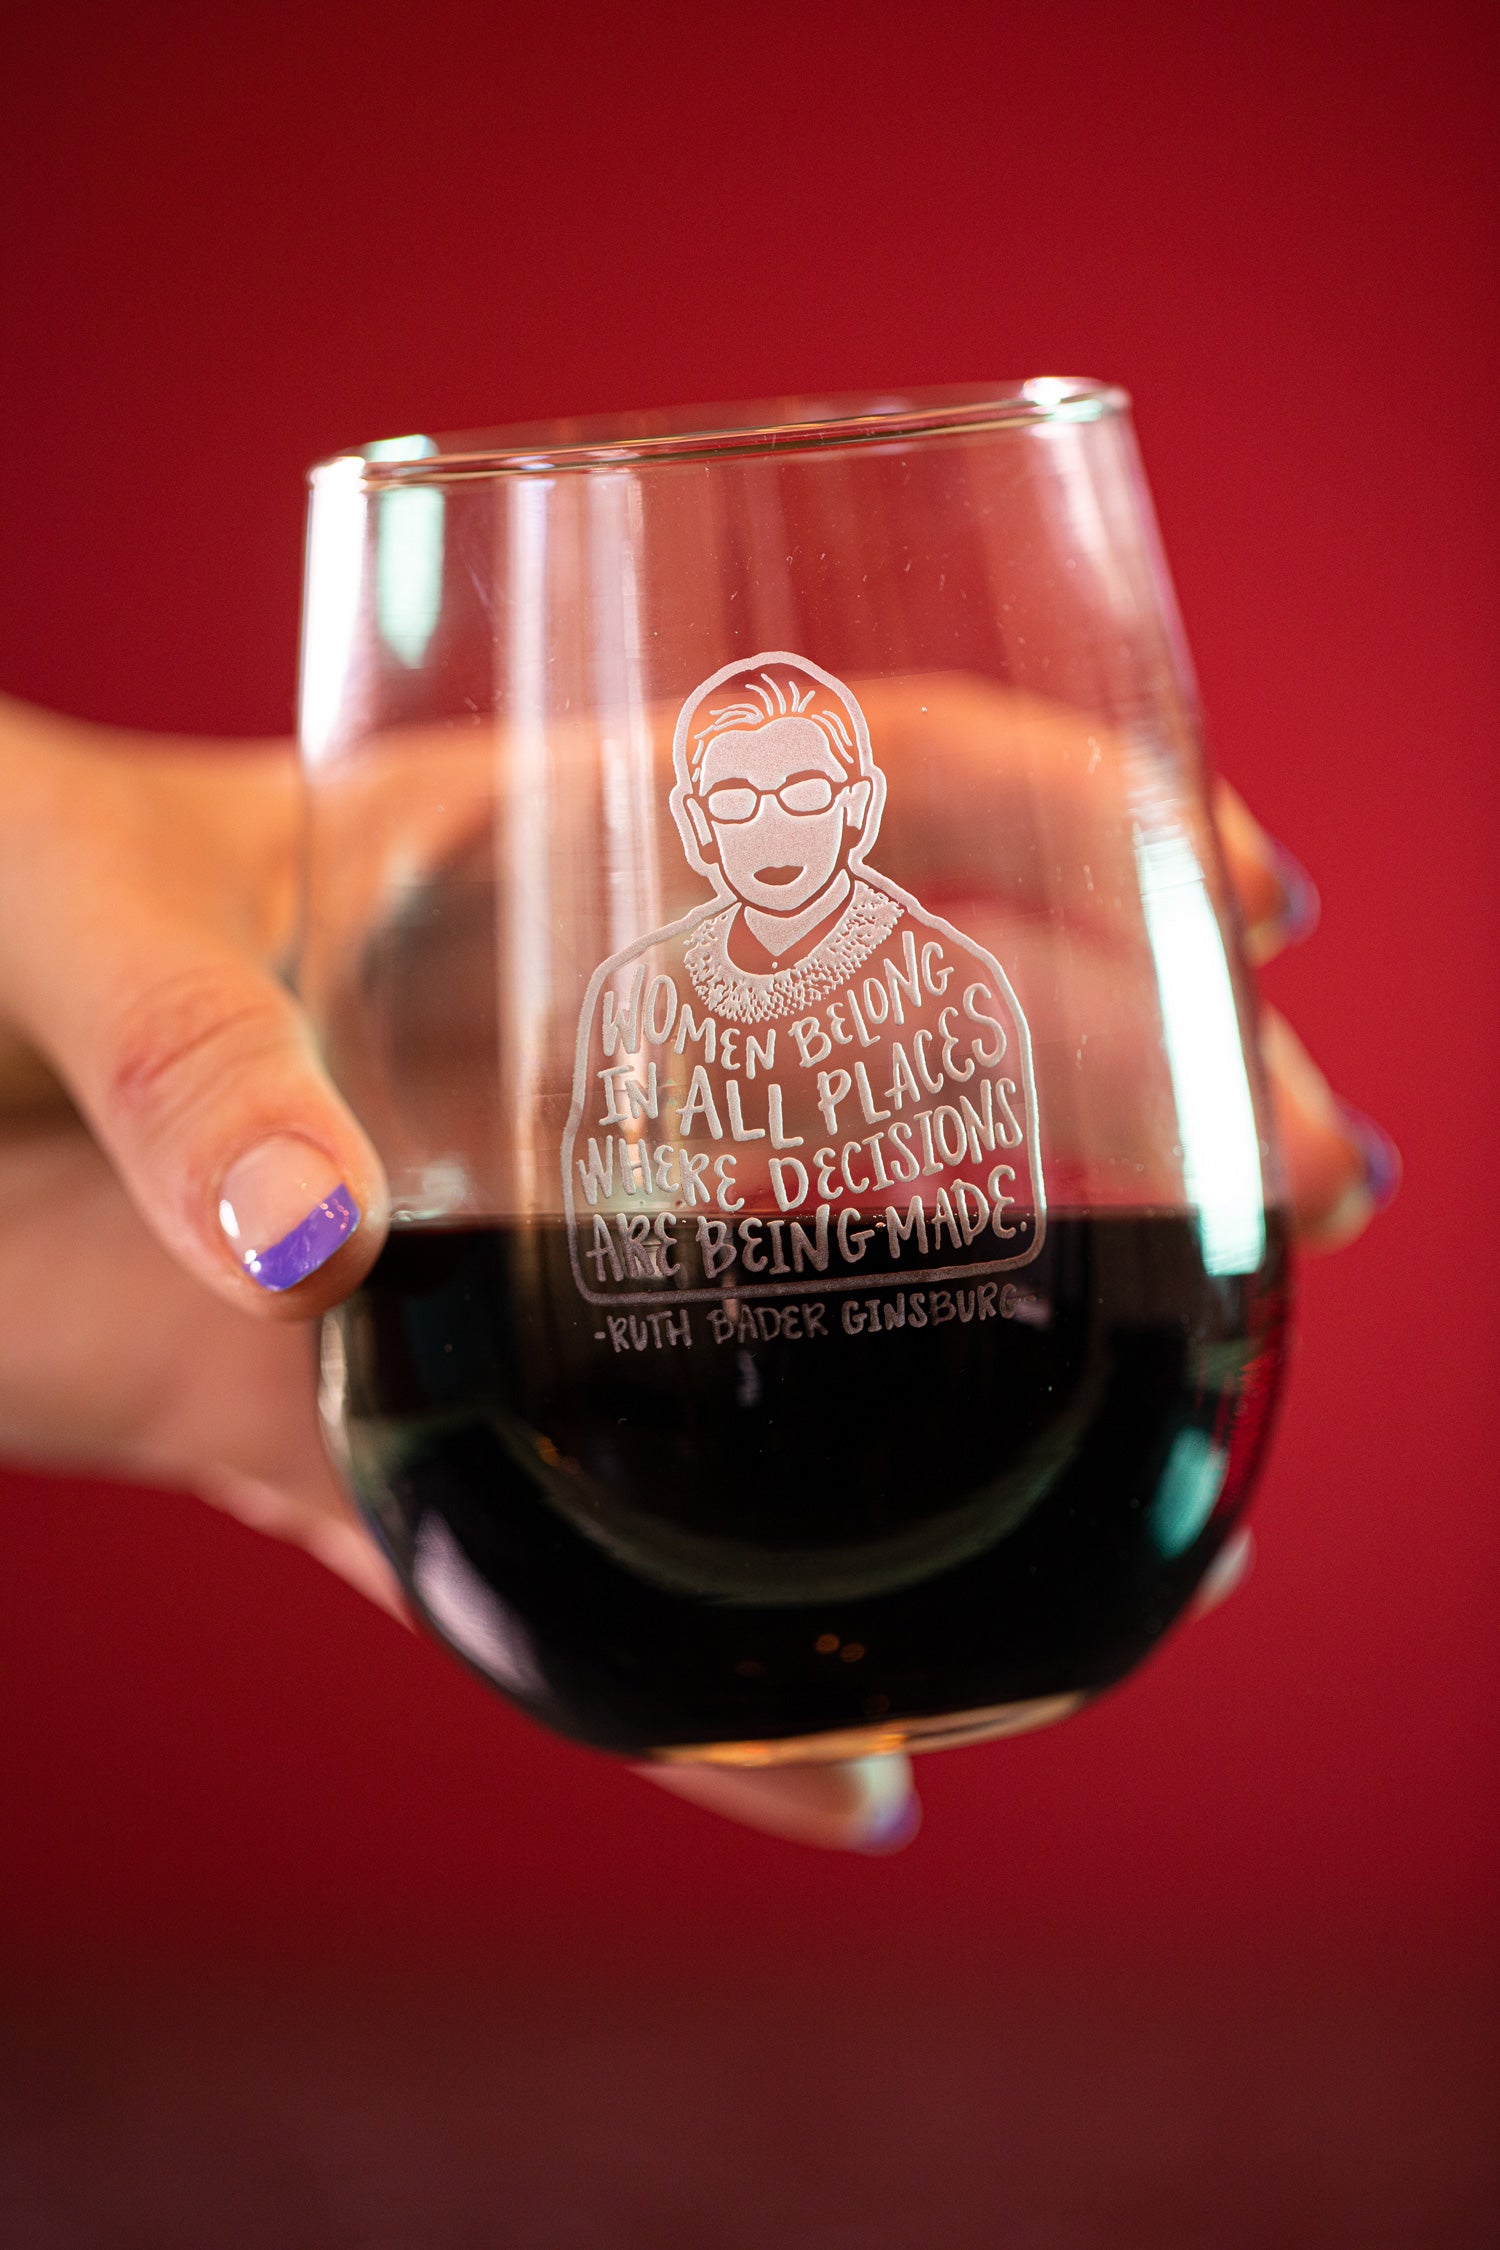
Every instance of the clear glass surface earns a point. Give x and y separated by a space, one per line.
761 900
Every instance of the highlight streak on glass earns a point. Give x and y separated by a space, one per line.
469 1612
335 559
409 570
1091 505
632 872
1191 1480
524 836
412 448
1215 1111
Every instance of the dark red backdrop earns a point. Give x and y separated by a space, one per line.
236 238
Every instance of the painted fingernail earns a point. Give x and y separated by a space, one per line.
857 1805
284 1211
888 1812
1378 1152
1288 906
1300 907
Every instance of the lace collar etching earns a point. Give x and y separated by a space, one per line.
739 996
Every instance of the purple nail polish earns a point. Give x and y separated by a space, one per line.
1301 906
892 1829
892 1811
1382 1158
284 1210
309 1245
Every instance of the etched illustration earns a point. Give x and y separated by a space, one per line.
810 1083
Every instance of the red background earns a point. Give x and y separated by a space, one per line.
235 240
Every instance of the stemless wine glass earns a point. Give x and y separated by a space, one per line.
761 901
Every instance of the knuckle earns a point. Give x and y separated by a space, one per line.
179 1038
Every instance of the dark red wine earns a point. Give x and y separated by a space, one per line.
742 1520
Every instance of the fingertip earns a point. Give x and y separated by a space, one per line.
1301 906
1284 904
1379 1155
1372 1178
1342 1168
351 1554
863 1805
1278 898
332 1536
888 1810
299 1225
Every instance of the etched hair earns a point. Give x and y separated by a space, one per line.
761 691
756 696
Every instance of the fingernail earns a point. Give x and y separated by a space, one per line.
857 1805
889 1811
1378 1153
1290 1061
285 1211
1300 907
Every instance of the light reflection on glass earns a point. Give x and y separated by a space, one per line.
1191 1481
524 937
409 570
335 558
401 449
469 1612
1200 1026
1087 503
1060 397
631 871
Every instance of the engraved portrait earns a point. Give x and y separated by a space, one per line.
809 1081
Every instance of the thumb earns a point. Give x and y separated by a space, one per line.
132 975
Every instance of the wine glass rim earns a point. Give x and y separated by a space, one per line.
801 423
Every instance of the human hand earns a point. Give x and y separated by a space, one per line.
147 1052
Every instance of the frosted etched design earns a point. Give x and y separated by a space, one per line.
810 1061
